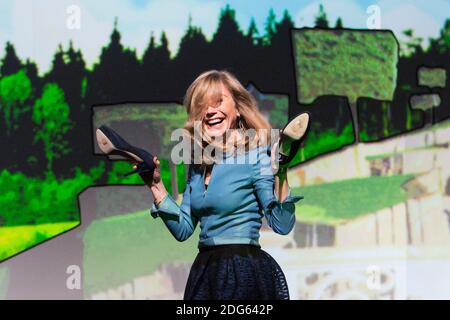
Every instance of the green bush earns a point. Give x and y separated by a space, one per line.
323 141
27 200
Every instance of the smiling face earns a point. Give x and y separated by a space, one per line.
220 113
214 101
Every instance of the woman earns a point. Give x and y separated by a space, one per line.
228 200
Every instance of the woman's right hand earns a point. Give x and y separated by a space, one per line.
149 179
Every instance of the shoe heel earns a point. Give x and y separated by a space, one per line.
141 168
110 142
129 173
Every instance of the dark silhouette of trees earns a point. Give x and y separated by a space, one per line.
10 63
148 69
113 77
270 27
230 39
57 72
441 45
253 33
229 49
438 56
31 70
156 70
321 20
262 57
190 60
277 53
68 71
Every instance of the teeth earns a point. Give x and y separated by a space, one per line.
214 122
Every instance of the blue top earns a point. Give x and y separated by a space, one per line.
239 193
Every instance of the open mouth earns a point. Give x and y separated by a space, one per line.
212 123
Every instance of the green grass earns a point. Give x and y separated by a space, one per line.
332 203
16 239
119 249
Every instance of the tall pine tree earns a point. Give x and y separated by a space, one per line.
117 66
321 20
10 63
191 58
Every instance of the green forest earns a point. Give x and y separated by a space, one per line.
46 119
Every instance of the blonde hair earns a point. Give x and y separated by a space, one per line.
207 87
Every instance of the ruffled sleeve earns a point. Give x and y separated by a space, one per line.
280 215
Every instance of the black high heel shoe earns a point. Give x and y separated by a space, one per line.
291 138
110 142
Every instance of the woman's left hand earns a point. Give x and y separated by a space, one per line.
276 168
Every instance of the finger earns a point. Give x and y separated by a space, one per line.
274 158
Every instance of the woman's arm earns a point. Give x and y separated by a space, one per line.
159 192
154 182
177 218
281 184
274 194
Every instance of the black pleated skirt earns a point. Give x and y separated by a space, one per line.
235 272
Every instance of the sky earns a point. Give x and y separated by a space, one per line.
37 27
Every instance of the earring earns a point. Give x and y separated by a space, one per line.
240 123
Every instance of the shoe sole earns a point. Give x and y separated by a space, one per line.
294 133
297 127
107 147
